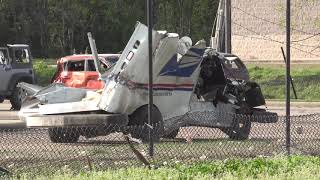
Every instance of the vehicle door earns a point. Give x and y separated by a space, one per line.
185 70
22 62
91 76
5 70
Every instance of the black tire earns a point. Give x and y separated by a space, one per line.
138 120
173 134
18 96
241 128
63 135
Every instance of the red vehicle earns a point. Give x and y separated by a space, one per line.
79 70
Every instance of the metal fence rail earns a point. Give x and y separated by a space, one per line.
31 151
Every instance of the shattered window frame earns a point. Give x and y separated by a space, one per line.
24 57
68 64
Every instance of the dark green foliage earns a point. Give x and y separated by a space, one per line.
57 28
44 72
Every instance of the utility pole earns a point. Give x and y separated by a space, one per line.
288 40
227 16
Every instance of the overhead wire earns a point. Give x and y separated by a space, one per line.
269 21
307 52
294 42
279 24
263 37
303 39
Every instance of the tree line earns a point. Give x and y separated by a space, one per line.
55 28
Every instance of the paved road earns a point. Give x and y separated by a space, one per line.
10 119
297 108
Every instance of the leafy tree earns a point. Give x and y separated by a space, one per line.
57 28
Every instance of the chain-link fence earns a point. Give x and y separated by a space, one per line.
258 30
304 87
36 151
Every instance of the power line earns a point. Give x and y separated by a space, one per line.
275 23
270 39
307 52
292 42
263 37
306 38
305 45
250 30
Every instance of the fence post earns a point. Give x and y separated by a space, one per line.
150 25
228 45
288 33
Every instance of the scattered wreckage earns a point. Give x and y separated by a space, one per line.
79 70
193 86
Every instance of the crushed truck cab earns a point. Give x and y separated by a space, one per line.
193 86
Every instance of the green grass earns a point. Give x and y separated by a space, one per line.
48 61
272 81
295 167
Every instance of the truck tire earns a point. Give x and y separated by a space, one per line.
138 120
17 97
173 134
240 130
63 135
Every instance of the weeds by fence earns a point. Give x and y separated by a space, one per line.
32 150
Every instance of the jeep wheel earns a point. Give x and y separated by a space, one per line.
240 130
138 121
63 135
18 96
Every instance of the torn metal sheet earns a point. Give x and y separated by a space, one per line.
30 88
62 95
203 114
77 120
65 100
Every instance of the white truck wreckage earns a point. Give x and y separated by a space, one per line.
193 86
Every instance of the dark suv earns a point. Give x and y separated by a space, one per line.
15 67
